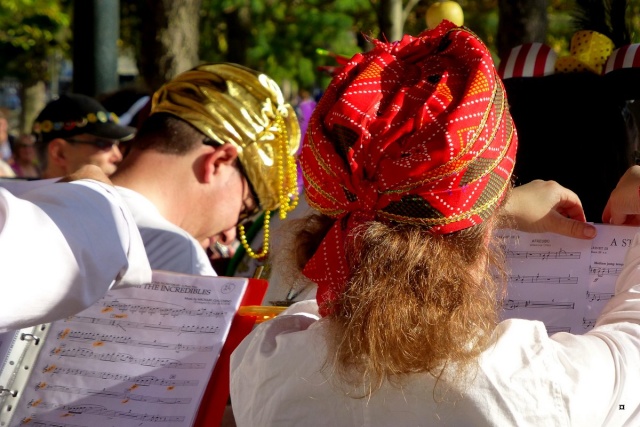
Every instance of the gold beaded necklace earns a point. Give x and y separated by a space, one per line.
287 193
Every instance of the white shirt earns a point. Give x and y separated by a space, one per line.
62 246
168 246
526 378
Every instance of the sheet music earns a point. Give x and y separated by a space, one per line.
608 250
561 281
140 356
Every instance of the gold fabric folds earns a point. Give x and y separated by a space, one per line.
233 104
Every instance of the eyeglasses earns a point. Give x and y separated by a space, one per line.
248 212
102 144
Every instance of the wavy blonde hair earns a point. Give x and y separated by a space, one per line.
416 302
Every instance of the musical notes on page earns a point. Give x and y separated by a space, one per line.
563 281
608 250
140 356
548 275
543 279
559 254
511 304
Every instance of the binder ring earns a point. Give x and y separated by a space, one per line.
13 393
29 337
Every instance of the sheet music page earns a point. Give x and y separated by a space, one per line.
140 356
608 250
548 277
561 281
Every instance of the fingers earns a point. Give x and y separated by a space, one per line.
573 228
546 206
606 214
623 206
87 172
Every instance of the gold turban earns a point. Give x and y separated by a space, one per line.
233 104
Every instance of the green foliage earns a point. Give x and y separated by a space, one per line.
280 36
284 42
29 31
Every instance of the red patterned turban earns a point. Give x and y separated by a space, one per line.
416 132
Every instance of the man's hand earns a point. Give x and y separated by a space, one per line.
546 206
87 172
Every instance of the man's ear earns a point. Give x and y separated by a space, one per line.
56 151
223 155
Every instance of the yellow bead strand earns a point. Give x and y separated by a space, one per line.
265 247
287 193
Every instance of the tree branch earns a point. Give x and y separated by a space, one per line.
407 9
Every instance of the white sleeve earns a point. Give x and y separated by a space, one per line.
604 363
62 246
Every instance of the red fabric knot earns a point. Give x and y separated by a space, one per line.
367 198
415 132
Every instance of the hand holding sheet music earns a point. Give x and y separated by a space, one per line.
561 281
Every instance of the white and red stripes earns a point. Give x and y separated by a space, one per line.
528 60
625 57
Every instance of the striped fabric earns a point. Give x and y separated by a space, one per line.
625 57
528 60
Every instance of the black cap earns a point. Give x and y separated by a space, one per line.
75 114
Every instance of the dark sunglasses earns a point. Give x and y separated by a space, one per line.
103 144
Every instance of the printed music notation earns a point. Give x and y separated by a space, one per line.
599 296
511 304
105 394
162 311
543 279
124 324
554 329
103 412
146 380
98 339
588 323
542 255
605 271
563 269
140 355
84 353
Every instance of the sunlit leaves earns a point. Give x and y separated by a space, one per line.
29 29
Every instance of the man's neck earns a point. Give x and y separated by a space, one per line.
161 179
52 172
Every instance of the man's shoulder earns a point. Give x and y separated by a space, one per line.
168 246
18 186
173 249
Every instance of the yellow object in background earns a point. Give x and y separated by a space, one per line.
447 9
589 52
261 312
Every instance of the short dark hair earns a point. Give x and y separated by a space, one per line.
167 134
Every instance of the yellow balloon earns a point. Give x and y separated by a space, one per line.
449 10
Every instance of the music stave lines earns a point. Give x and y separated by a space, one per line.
103 412
124 324
124 397
84 353
162 311
605 271
144 380
512 304
588 323
568 280
599 296
98 339
555 329
542 255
